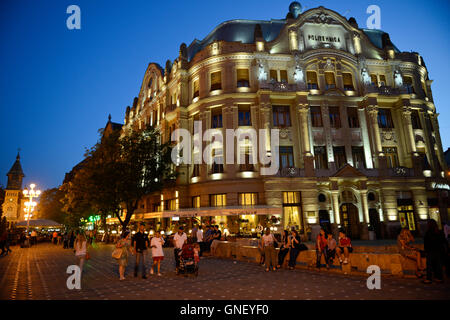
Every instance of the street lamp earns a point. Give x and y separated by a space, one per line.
30 204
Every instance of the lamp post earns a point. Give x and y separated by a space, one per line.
30 204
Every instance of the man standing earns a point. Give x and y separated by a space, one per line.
178 241
140 243
200 239
216 239
194 233
55 237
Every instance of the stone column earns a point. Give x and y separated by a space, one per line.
335 204
409 132
365 138
364 205
373 115
308 158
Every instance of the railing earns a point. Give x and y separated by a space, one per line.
291 173
400 172
386 90
282 86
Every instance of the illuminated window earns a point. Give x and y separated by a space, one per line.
281 116
196 88
248 199
316 117
352 115
330 80
218 200
291 197
286 157
385 119
196 202
242 78
320 157
335 117
348 82
216 81
292 212
311 78
283 76
273 75
391 157
244 116
374 80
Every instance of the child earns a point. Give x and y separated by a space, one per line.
345 247
157 251
196 253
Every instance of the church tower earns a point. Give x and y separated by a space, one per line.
13 192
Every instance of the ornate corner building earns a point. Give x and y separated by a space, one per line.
13 204
359 136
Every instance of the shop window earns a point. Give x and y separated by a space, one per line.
311 78
248 199
340 158
415 120
281 116
283 76
216 81
406 213
330 80
244 116
359 160
243 79
196 88
335 117
385 119
391 157
348 82
353 119
293 217
320 157
316 117
218 200
409 85
196 202
286 157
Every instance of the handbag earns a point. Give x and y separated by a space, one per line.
117 253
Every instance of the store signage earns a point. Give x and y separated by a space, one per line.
442 186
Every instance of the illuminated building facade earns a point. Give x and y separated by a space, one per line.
359 136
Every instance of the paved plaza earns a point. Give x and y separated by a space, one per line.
40 273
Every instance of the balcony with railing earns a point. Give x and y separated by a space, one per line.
282 86
386 90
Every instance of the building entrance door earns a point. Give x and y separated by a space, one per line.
406 214
324 220
349 220
374 220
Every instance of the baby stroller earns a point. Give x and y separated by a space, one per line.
187 261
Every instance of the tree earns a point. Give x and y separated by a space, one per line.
51 206
118 172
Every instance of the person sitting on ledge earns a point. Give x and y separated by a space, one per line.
345 247
408 251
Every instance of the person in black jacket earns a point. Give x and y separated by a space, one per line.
435 247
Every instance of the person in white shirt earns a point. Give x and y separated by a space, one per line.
200 239
269 250
179 240
157 251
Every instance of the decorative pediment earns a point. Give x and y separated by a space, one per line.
348 171
335 92
321 17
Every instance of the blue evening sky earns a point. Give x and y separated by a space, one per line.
57 86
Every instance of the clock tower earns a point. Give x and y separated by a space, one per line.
13 193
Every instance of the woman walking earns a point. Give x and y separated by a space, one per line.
269 250
124 245
81 251
295 249
284 248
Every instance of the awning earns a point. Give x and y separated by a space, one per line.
42 223
223 211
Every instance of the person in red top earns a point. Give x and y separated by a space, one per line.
321 245
344 248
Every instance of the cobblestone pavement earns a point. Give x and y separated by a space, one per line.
40 273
